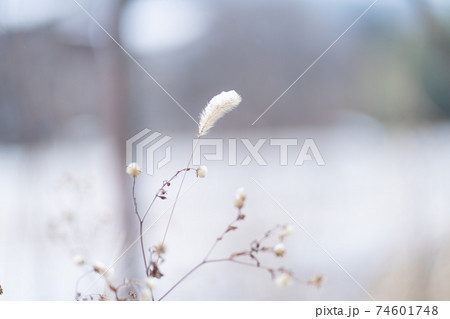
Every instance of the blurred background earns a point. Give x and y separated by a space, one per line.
377 105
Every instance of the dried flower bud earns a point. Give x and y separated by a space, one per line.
150 282
239 203
160 249
286 230
132 294
317 281
284 279
78 260
146 294
100 268
240 197
133 169
202 171
279 250
241 194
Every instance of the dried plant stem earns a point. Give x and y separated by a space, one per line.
204 262
161 189
141 220
178 194
142 247
189 273
251 253
211 249
134 199
218 239
141 223
78 295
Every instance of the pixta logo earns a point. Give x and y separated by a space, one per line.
151 152
308 151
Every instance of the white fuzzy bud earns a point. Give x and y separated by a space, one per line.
202 171
99 267
284 279
240 197
241 194
239 203
150 282
133 169
279 250
286 230
78 260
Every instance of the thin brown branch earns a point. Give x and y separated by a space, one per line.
189 273
134 199
77 294
178 194
161 190
141 223
229 228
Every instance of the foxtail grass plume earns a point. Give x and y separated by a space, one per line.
218 106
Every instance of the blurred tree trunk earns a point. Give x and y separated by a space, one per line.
114 103
435 69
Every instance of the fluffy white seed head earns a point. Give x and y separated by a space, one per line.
241 194
78 260
146 294
99 267
202 171
216 108
284 279
150 282
133 169
279 250
239 203
240 197
286 230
